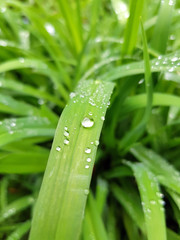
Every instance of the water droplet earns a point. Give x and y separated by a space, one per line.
66 141
96 143
152 202
87 166
65 128
13 124
87 122
66 133
88 159
11 132
2 9
162 202
141 81
72 95
171 69
92 143
21 60
174 59
50 29
102 118
90 113
87 150
58 149
3 43
40 101
86 191
1 123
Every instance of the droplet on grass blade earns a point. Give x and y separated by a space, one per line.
88 159
58 149
87 122
87 150
66 141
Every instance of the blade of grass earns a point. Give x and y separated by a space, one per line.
162 26
166 173
152 202
70 164
22 163
137 132
20 231
131 31
15 207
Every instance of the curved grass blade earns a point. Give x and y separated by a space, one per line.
166 173
13 130
12 106
169 62
132 28
159 99
152 202
26 89
23 163
136 132
70 164
162 26
20 231
15 207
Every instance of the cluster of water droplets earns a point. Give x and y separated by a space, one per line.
169 63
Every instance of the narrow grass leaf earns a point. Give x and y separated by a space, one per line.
98 225
162 26
132 28
133 208
136 132
70 164
165 172
152 202
15 207
23 163
161 64
20 231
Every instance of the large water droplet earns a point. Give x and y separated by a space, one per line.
87 122
87 150
58 149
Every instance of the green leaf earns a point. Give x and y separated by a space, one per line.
70 164
165 172
15 207
152 202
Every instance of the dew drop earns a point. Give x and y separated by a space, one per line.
65 128
102 118
96 143
88 159
87 122
13 124
21 60
152 202
66 141
87 150
87 166
92 143
72 95
50 29
174 59
86 191
58 149
66 133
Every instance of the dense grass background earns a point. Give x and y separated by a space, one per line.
46 48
